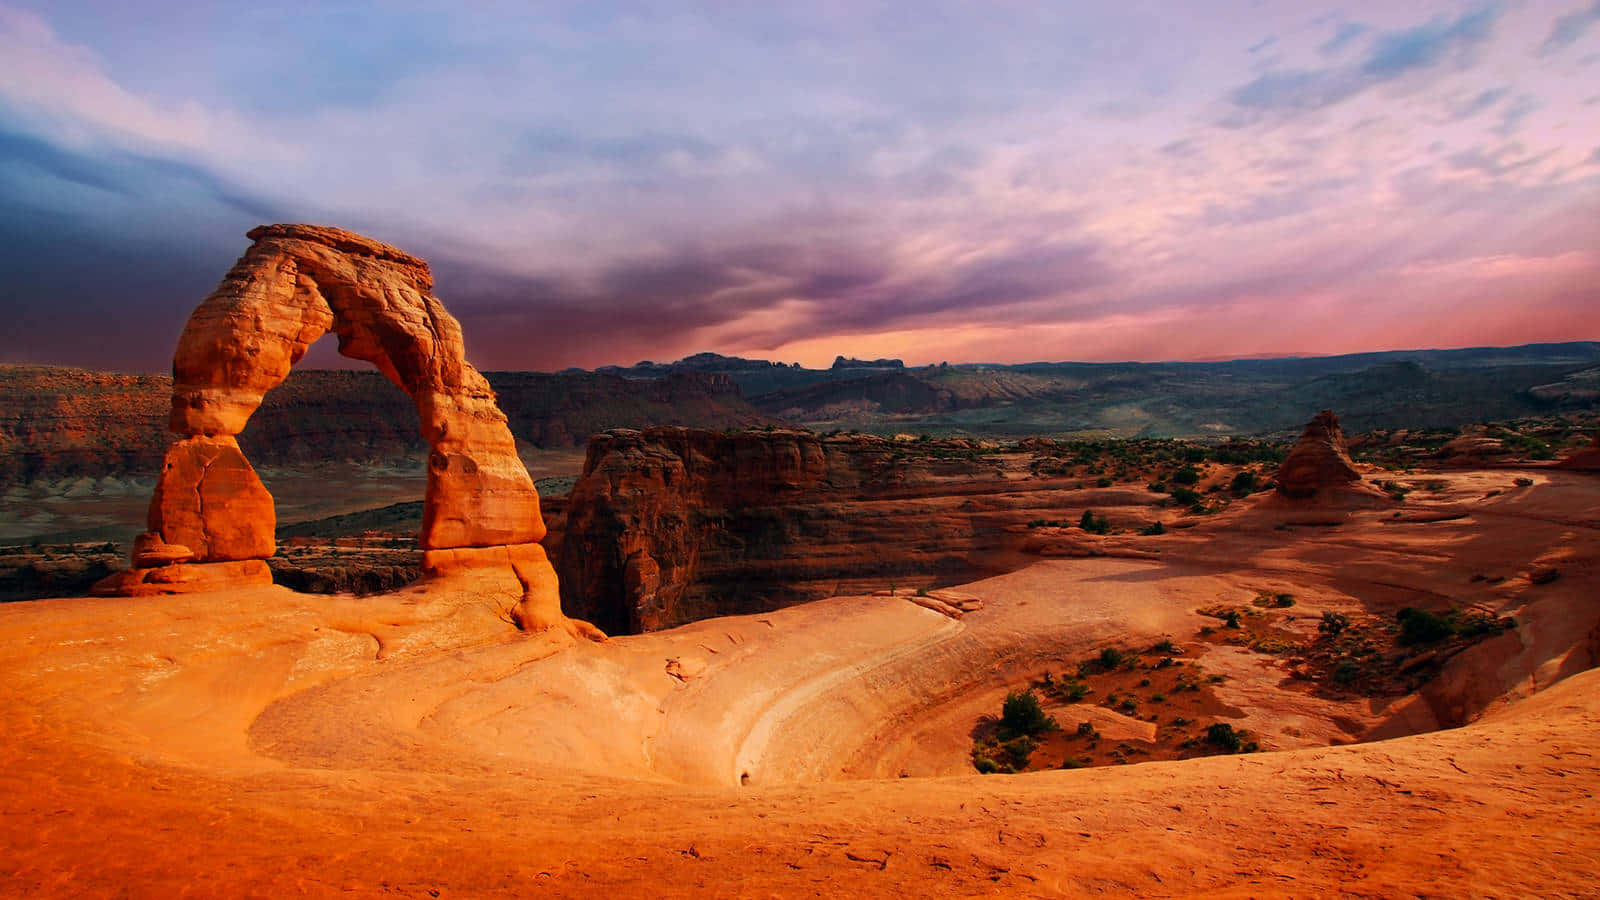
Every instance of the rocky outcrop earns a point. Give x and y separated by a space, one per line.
1586 459
1319 461
672 525
296 282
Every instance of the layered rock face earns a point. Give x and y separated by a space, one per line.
293 284
1320 460
671 525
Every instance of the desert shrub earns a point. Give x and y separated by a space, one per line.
1021 715
1418 626
1164 646
1075 762
1104 482
1018 751
1087 730
1333 623
1129 705
1347 671
1158 697
1186 496
1157 487
1074 690
1153 528
1231 620
1093 524
1110 658
985 765
1222 736
1187 476
1245 482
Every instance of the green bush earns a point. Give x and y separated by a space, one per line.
1153 528
1222 736
1021 715
1333 623
1110 658
1018 751
1418 626
1186 496
1187 476
1246 482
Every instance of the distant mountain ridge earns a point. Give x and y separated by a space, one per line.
59 422
1387 389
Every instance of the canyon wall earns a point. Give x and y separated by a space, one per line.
670 525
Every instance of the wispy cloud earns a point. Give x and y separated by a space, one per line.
650 180
1567 29
1391 55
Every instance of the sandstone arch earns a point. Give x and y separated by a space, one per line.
295 283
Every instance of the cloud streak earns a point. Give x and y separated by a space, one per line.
650 181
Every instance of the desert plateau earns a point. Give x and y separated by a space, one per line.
1070 450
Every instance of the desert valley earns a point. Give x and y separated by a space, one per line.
879 654
650 450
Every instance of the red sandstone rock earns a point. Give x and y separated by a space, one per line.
209 500
149 551
1586 459
1320 460
184 578
293 284
297 282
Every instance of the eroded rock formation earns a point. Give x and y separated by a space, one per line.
1320 460
295 283
671 525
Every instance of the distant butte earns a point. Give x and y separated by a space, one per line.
1319 461
211 521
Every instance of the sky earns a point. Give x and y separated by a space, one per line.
598 183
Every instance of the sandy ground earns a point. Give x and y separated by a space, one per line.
265 743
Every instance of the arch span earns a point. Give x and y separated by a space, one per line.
295 283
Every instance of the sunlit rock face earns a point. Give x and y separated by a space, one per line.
294 284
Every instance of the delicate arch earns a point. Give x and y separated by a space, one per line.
295 283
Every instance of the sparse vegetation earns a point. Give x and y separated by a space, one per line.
1094 524
1022 715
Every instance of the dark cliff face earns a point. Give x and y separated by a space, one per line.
672 525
